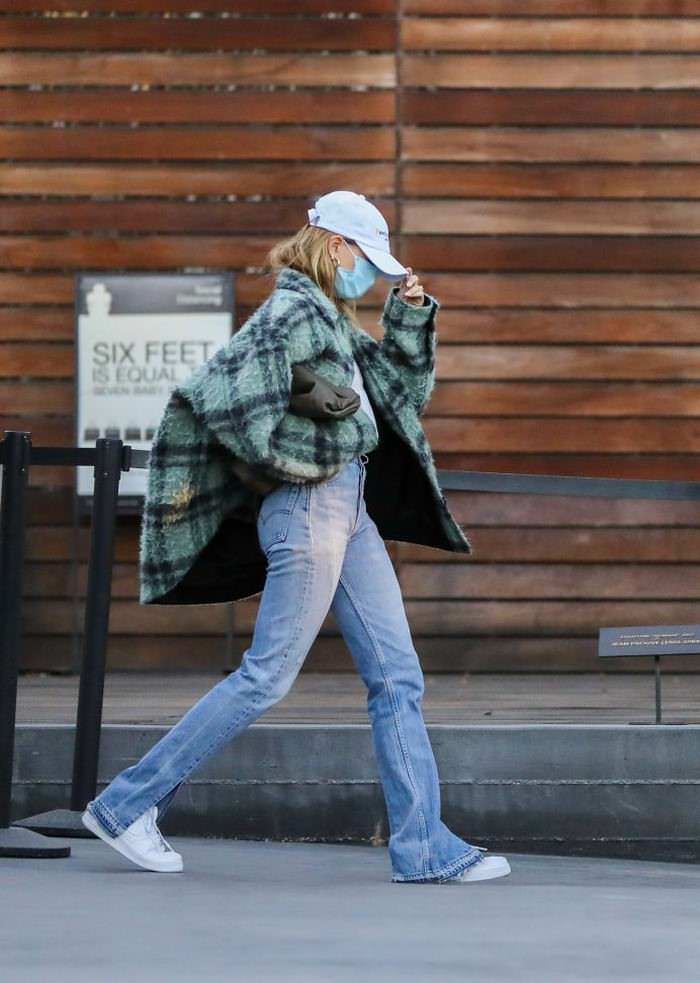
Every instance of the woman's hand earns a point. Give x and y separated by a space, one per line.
411 290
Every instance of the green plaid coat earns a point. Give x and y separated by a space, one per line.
198 540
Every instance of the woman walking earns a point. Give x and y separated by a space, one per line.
294 493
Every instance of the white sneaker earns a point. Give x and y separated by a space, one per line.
484 870
142 842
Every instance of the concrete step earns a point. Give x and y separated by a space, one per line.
593 790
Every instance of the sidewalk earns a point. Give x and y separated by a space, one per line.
316 913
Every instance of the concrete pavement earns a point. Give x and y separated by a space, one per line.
325 913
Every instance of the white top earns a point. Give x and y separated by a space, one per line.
359 387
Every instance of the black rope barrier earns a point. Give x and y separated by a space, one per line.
556 484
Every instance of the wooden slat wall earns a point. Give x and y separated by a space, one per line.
537 163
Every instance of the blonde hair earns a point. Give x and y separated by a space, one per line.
307 251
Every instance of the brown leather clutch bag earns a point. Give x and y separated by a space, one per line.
314 396
311 396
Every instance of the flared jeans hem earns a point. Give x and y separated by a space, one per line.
456 867
105 818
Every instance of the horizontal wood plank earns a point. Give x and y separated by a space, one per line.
541 144
45 430
564 435
213 178
21 105
35 324
56 617
543 8
138 252
518 107
506 541
268 7
199 143
45 288
541 617
571 218
562 399
546 8
595 34
565 290
556 181
576 581
556 71
30 398
200 34
605 362
209 68
565 326
605 252
56 654
37 360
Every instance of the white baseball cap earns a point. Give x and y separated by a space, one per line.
352 215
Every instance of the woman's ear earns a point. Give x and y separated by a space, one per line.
334 245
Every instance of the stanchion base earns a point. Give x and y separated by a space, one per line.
57 822
16 842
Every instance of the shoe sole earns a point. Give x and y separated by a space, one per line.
89 822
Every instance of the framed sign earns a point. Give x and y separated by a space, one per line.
654 640
138 336
649 640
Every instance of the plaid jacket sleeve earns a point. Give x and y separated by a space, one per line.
410 342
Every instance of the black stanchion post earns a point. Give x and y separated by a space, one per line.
110 459
16 455
108 467
16 459
657 686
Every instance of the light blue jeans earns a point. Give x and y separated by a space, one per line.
324 552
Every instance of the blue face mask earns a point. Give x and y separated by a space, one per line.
353 283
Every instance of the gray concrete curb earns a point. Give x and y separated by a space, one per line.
617 791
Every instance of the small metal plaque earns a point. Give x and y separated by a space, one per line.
649 640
